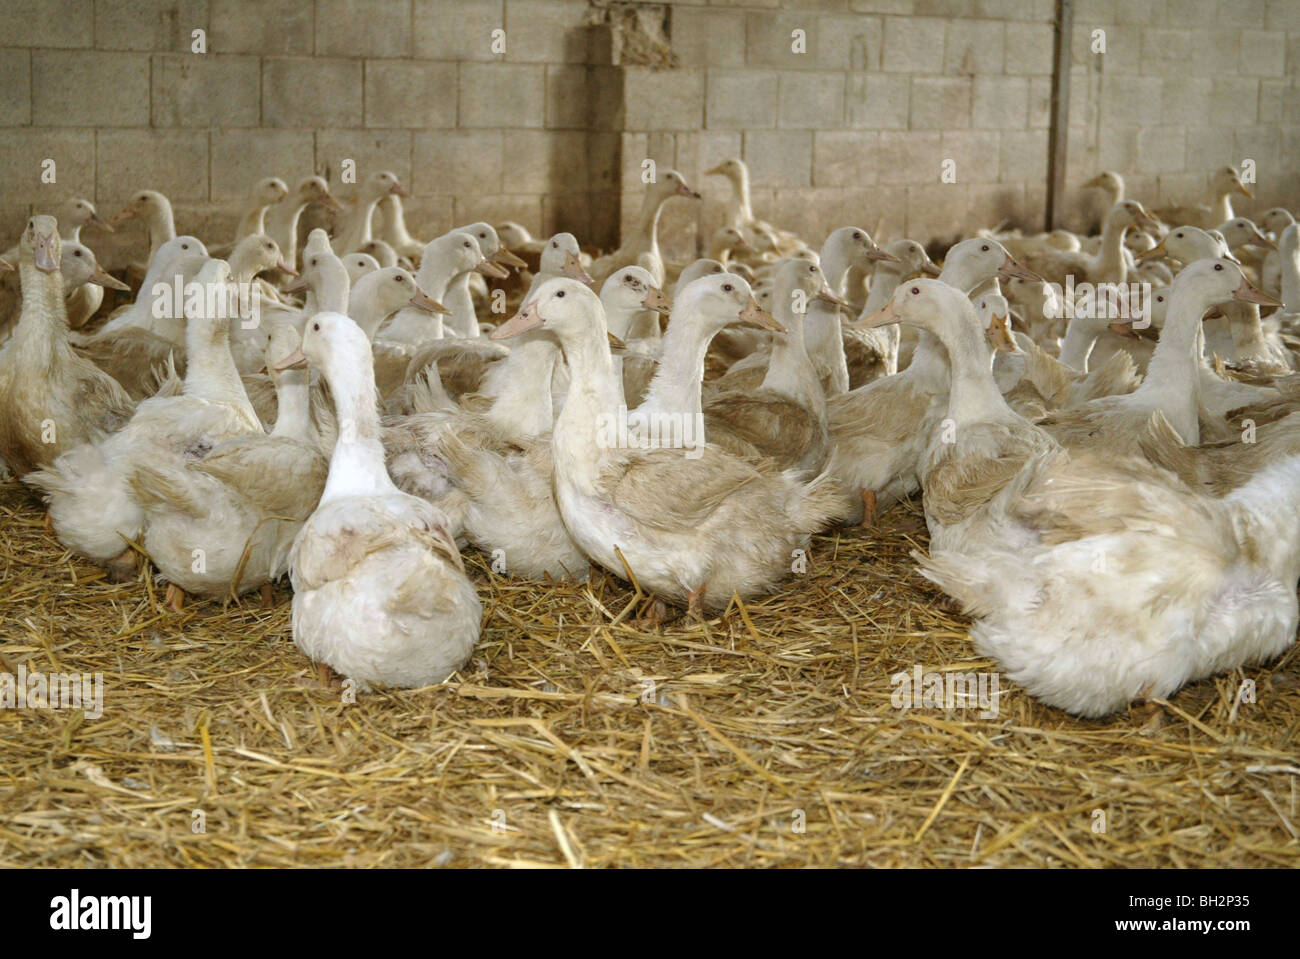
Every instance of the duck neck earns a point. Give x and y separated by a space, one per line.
1220 205
162 228
883 284
462 321
254 221
283 227
1246 329
210 371
973 395
293 401
393 219
44 316
743 210
357 462
646 237
790 372
1172 377
521 386
676 384
1289 263
1080 338
1109 265
593 400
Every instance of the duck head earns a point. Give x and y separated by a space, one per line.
721 300
41 243
145 204
81 212
561 256
631 289
79 266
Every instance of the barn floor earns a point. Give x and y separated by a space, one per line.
769 738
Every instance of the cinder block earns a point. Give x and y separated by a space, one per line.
941 103
457 162
567 104
502 95
1117 149
371 149
1161 149
546 31
173 162
903 7
1180 188
913 45
974 47
1234 101
148 25
942 8
1187 99
48 23
522 208
200 90
88 88
779 159
603 162
311 93
1153 11
974 152
845 158
909 157
1131 99
363 28
1165 50
1029 48
1282 15
1040 101
410 93
1272 100
741 99
544 161
812 100
1263 145
1233 13
1197 11
1263 53
663 99
937 212
428 216
1040 10
569 214
1122 52
23 150
771 41
241 157
1216 51
1207 148
1002 103
16 81
708 37
284 27
877 101
851 41
987 205
1022 156
457 29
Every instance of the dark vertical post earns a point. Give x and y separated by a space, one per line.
1059 131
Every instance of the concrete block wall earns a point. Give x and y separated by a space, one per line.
851 125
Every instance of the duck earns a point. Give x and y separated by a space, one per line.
1108 265
1095 580
155 210
80 270
785 417
266 193
352 223
392 228
283 218
92 507
878 431
1272 223
740 213
240 502
871 354
463 320
380 293
53 399
1217 208
633 304
382 252
699 529
380 593
641 248
359 264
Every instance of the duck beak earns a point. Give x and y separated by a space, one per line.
285 267
529 318
398 190
127 213
1123 329
1251 294
506 258
488 268
930 268
826 296
1095 181
43 253
1146 218
6 266
331 201
297 360
880 317
1259 239
757 316
881 256
616 345
100 278
657 301
97 220
716 171
1157 250
423 301
999 334
574 270
1013 267
684 190
298 285
1245 190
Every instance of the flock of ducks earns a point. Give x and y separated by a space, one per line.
1111 494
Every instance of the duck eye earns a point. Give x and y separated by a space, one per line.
561 293
727 288
400 279
1218 266
466 245
316 327
1179 235
984 248
916 290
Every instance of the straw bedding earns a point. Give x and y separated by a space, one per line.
763 737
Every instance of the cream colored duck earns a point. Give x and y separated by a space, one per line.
80 269
359 264
352 223
155 210
463 320
392 228
266 193
699 529
871 354
633 305
878 431
283 218
239 504
93 508
382 252
785 417
641 248
740 212
1108 265
1224 183
1095 581
379 294
380 592
53 399
1272 223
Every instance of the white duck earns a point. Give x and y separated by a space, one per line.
283 218
352 223
641 248
699 529
266 193
380 592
